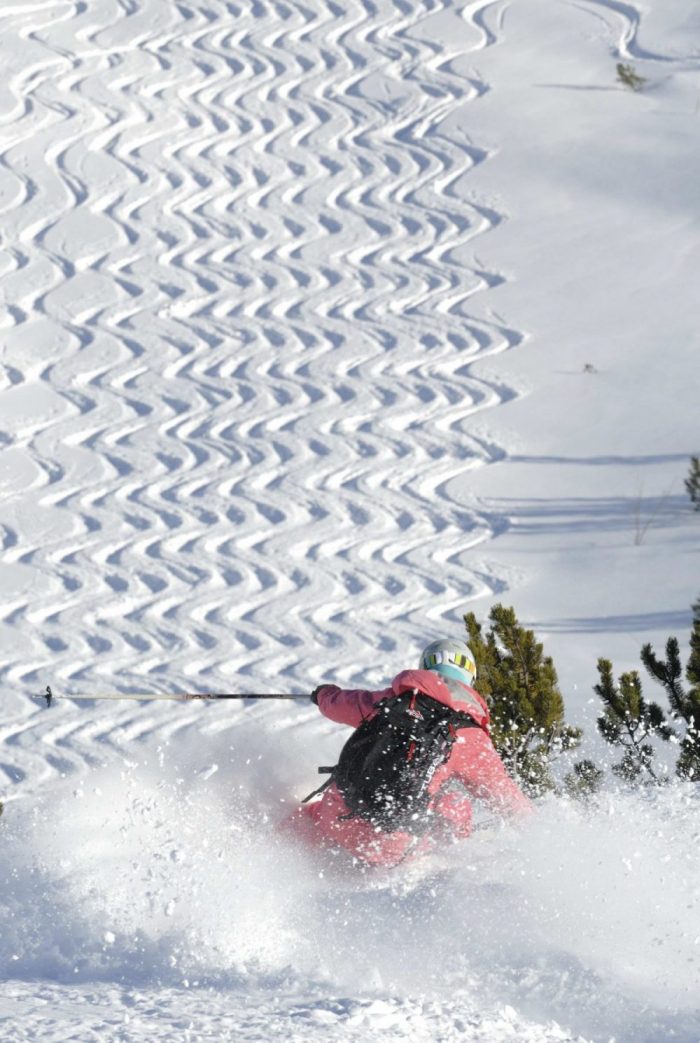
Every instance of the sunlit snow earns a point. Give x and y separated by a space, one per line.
323 323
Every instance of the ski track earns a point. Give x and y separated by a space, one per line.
622 23
237 345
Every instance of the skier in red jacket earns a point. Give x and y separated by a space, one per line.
473 769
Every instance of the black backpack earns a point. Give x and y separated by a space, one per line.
387 764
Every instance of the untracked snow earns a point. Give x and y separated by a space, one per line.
321 324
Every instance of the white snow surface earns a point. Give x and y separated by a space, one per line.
322 323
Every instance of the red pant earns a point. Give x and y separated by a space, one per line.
323 824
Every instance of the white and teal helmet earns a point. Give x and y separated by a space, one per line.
451 659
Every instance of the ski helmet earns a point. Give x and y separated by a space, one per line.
451 659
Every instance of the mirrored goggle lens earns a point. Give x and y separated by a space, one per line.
435 658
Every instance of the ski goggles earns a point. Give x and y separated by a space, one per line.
450 658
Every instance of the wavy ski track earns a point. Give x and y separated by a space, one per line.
623 22
238 342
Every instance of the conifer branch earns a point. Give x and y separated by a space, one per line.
521 687
684 703
629 722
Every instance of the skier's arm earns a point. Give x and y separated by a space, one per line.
481 770
347 706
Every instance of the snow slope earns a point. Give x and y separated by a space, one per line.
323 323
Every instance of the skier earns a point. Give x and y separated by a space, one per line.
472 767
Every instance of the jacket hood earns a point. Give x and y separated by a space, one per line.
455 694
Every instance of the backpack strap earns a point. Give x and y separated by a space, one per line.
323 786
466 721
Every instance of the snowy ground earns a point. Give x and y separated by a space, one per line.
323 323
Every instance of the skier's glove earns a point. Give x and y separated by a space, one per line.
314 695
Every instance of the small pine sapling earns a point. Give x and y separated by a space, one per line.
692 482
521 688
684 702
584 781
628 77
629 722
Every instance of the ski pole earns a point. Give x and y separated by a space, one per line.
178 697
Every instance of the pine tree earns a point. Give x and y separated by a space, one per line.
685 703
628 77
521 688
692 482
630 721
584 781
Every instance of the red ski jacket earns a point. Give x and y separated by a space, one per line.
473 765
